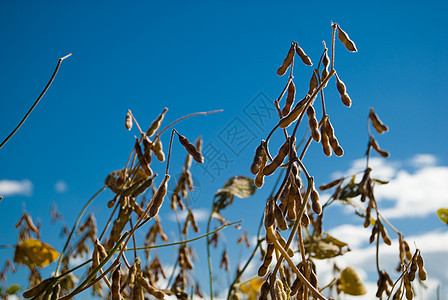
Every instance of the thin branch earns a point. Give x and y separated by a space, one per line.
36 102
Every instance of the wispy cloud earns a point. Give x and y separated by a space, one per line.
412 193
60 186
16 187
200 215
363 260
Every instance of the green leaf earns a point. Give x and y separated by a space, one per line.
350 283
12 289
443 215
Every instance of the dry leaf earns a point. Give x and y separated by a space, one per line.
350 283
34 253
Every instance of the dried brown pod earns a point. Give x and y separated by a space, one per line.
150 289
158 150
157 201
305 220
144 160
313 123
289 98
266 260
35 290
280 218
264 290
143 187
100 249
225 264
115 288
306 60
155 125
337 149
375 146
379 126
330 184
317 207
294 114
269 217
259 179
282 242
191 149
325 142
345 39
287 61
260 155
343 92
128 121
55 292
407 250
314 83
283 151
291 207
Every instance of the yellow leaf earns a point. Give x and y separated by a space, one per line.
34 253
350 283
443 215
251 288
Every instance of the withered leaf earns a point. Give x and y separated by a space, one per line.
442 213
34 253
350 283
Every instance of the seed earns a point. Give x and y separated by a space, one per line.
283 151
128 122
289 98
116 276
313 83
314 125
191 149
260 155
158 151
156 123
306 60
158 197
345 39
287 62
379 126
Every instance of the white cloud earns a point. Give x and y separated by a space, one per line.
200 215
60 186
423 160
363 260
416 193
15 187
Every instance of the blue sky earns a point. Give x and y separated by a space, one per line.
204 56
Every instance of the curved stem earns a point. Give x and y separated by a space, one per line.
188 116
74 227
36 102
209 261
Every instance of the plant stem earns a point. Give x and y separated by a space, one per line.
36 102
74 227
